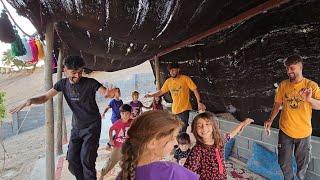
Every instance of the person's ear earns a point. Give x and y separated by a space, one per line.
152 144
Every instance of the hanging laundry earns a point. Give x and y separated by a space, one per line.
34 51
6 30
17 48
28 56
40 49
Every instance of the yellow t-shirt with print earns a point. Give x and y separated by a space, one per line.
179 88
295 118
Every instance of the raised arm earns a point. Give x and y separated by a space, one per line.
306 93
239 128
154 94
105 110
36 100
106 92
110 136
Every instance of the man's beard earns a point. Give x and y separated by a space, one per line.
292 77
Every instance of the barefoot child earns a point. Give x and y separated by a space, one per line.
120 127
183 150
151 137
114 104
206 157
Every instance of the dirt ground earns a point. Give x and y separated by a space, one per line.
24 149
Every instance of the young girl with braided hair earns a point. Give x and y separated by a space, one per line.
152 136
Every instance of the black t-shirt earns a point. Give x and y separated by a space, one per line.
81 97
179 154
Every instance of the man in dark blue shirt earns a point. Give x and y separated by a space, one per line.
79 93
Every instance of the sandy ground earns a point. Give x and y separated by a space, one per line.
24 149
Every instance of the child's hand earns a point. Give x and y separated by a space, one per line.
182 161
248 121
108 148
245 123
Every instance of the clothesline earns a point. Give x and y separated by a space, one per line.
16 24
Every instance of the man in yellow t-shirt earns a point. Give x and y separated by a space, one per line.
297 96
179 86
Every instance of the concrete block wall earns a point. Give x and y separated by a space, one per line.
255 133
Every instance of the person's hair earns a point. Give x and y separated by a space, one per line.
294 59
117 89
74 62
135 93
173 65
148 126
160 100
212 119
183 138
125 108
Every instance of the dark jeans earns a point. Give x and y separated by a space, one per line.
302 152
184 117
82 151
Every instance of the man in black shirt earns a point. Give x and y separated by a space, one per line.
79 93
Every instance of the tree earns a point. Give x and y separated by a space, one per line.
2 106
12 61
2 116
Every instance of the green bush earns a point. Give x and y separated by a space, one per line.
2 106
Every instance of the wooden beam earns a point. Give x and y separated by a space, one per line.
157 69
227 24
59 150
50 162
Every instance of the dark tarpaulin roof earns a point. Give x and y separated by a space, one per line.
107 28
236 69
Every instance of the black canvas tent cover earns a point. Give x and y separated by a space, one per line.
236 69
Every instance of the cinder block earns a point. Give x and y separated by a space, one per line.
272 139
315 143
234 152
15 122
253 132
242 142
244 153
316 166
312 176
311 165
268 146
227 125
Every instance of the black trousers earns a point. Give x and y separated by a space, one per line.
82 151
184 117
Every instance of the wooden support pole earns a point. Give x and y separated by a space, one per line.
64 131
157 69
59 150
50 162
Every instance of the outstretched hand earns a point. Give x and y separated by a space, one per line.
109 92
20 106
245 123
147 96
201 107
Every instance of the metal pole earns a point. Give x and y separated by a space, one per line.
59 106
157 69
49 106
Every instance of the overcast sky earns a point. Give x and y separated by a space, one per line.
21 21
